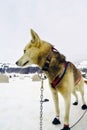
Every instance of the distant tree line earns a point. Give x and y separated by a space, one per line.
20 70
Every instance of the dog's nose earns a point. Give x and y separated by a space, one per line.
16 63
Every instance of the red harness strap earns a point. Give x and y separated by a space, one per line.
59 78
78 80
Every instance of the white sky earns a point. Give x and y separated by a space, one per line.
60 22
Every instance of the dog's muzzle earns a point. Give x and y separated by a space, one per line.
19 64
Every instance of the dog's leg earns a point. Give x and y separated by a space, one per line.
56 103
84 106
67 100
81 89
76 98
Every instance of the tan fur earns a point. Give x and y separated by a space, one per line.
36 52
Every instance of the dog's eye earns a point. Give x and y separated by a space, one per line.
24 51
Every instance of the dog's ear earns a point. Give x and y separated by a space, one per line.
35 37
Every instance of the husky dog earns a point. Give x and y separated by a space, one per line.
63 76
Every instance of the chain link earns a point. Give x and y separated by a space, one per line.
41 105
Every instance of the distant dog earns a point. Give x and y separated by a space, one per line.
63 76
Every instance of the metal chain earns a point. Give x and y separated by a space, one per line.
42 76
41 104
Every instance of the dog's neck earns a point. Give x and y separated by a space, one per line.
48 59
54 65
54 71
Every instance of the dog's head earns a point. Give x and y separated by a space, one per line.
35 51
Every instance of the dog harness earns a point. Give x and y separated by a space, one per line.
78 80
59 77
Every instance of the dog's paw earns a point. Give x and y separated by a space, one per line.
46 100
84 107
66 128
75 103
56 121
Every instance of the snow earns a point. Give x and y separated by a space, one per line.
20 107
4 78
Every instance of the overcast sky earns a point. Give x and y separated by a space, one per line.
60 22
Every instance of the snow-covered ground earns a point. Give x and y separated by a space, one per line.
20 107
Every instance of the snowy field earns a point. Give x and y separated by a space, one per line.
20 107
